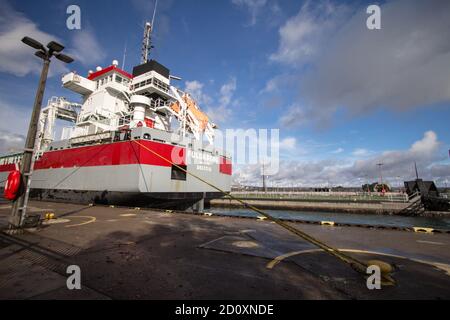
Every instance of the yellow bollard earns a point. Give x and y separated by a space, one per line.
423 229
384 266
385 269
49 216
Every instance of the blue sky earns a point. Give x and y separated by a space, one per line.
344 97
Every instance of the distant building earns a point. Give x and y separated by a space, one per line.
426 188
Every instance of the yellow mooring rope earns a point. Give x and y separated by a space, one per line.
356 264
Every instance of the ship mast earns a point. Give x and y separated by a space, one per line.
147 40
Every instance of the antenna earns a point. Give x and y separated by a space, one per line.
264 178
147 40
415 167
124 56
154 12
381 172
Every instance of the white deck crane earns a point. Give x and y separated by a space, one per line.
57 108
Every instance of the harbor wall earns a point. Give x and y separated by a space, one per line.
348 207
382 208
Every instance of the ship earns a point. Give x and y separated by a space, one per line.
134 139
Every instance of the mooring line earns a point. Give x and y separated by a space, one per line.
354 263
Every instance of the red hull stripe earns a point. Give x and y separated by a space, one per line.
117 153
225 166
7 167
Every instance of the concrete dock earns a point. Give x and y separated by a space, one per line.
126 253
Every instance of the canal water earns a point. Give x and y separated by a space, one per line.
354 218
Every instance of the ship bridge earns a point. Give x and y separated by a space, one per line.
114 99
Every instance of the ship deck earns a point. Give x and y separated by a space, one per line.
126 253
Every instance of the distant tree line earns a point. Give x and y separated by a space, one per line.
376 187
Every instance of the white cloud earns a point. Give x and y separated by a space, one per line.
227 91
15 119
428 144
288 144
218 109
219 114
338 150
11 142
271 86
12 137
85 48
349 172
360 152
222 112
302 36
16 57
402 66
195 89
254 7
278 82
293 116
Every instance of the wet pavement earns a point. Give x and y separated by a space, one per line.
124 253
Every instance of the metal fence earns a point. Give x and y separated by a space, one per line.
323 196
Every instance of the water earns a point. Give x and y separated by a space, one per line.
353 218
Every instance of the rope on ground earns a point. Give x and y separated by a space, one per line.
356 264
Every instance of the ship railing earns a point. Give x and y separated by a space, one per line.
124 120
109 121
158 84
11 158
101 118
414 195
158 103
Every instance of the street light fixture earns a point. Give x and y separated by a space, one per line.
63 58
19 205
33 43
55 46
40 54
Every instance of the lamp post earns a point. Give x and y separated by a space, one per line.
399 183
381 175
53 48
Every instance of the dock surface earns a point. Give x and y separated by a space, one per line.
126 253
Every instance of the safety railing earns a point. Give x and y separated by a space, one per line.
324 196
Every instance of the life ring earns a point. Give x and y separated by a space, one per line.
12 185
